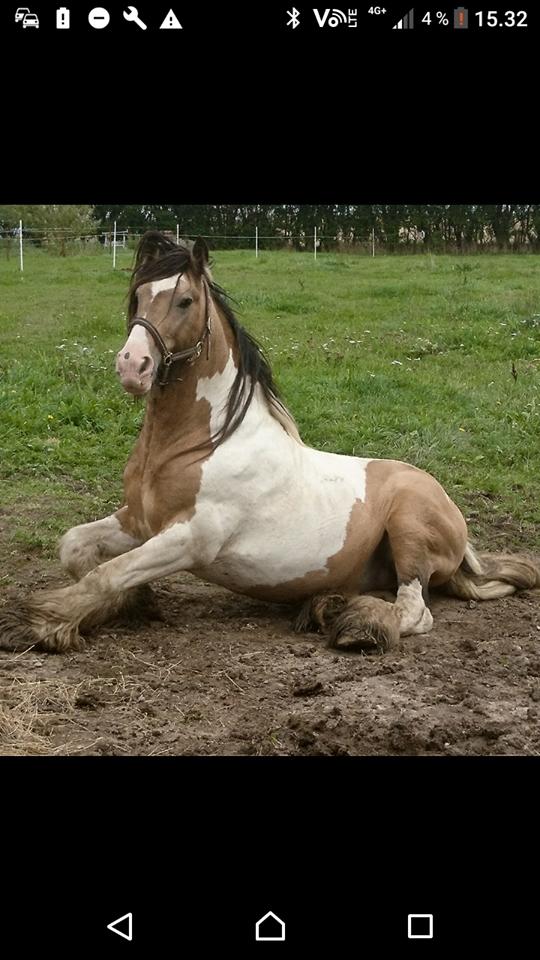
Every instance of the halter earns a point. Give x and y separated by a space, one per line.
191 354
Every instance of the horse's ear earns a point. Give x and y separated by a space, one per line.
200 254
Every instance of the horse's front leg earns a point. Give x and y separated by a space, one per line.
52 619
86 546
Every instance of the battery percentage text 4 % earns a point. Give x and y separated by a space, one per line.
441 18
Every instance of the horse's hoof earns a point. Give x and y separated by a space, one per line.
318 611
16 631
21 628
367 623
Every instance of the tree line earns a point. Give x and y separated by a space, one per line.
429 227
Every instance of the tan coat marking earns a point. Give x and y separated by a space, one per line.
162 477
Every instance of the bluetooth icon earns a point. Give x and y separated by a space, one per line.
294 18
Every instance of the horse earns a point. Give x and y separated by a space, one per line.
220 484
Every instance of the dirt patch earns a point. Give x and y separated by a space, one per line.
222 674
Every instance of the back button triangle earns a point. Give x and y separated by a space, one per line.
123 926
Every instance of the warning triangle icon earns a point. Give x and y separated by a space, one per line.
171 22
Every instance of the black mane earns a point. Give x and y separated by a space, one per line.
156 258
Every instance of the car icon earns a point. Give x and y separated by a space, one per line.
20 13
30 20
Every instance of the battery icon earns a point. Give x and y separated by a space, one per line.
62 18
461 18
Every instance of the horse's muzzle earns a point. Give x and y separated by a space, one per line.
136 372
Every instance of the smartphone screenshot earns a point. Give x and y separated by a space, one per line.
269 477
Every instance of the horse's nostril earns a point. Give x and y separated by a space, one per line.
146 361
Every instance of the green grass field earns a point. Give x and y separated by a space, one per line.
402 357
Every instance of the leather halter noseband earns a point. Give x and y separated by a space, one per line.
191 354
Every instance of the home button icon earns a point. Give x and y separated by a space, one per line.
270 927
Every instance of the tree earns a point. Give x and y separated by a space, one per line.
50 220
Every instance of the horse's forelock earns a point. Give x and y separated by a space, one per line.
152 246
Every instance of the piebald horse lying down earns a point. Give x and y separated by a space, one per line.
220 484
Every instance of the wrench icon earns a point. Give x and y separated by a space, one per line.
132 14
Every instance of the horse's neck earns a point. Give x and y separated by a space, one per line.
191 406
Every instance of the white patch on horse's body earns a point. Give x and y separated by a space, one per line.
413 613
216 390
285 506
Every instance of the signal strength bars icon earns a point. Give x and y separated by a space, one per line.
406 23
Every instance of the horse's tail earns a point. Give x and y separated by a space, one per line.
485 577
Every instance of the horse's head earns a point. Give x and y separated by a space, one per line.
168 315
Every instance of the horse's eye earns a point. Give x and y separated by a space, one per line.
186 302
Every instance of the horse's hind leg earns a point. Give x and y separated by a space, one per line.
318 612
369 622
378 577
427 541
351 622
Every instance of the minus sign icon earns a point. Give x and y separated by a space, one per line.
99 17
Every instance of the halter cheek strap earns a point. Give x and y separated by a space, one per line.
190 354
167 357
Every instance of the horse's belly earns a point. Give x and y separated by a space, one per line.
289 563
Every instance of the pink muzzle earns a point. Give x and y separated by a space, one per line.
135 365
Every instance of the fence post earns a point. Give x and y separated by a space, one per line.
21 245
177 234
256 241
114 247
315 243
373 241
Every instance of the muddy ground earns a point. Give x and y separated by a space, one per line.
222 675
